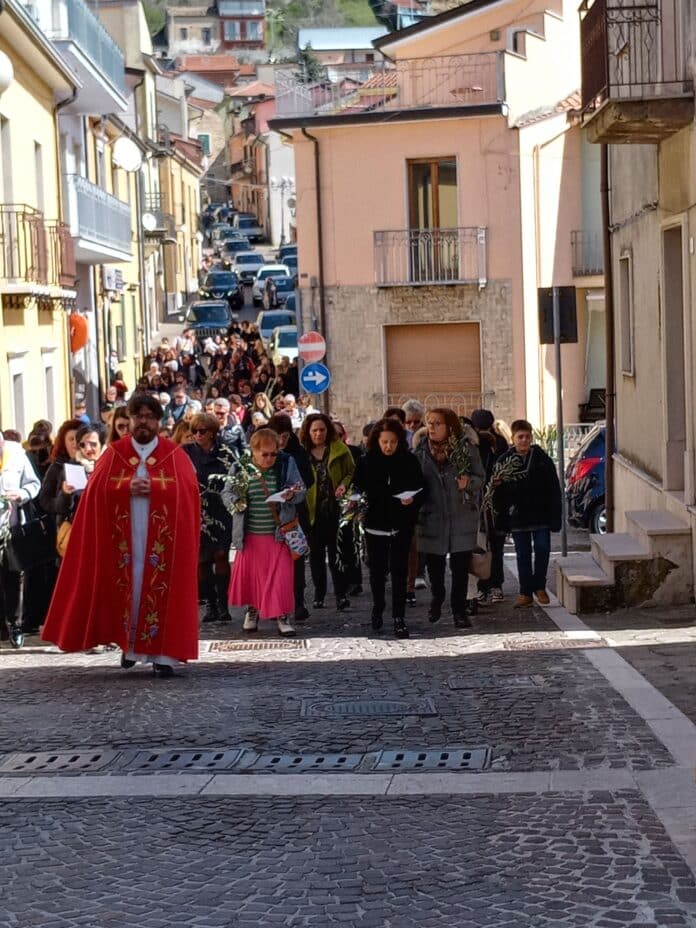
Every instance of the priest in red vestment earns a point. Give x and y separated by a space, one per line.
129 574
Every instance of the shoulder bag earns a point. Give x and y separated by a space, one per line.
290 533
31 541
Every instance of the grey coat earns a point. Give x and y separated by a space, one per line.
449 517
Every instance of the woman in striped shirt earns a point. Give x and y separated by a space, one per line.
262 573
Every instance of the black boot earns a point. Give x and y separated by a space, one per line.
301 611
221 585
435 610
211 612
376 621
400 630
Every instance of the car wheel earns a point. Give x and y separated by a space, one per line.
598 519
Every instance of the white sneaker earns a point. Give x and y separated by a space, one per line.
251 620
497 595
420 583
284 627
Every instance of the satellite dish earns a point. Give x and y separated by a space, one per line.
292 202
247 167
126 154
149 222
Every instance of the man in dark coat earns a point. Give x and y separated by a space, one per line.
528 503
491 446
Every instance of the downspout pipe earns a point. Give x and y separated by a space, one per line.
59 190
610 434
320 246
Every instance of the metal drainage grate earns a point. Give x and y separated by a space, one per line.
438 759
184 760
555 644
501 682
289 644
302 763
54 762
340 708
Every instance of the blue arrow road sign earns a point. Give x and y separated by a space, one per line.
315 378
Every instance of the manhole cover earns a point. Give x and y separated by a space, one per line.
184 760
555 644
339 708
289 644
437 759
54 762
300 763
501 682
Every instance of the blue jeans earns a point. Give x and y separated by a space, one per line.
532 578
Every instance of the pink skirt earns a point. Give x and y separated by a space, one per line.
263 577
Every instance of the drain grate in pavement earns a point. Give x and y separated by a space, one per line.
554 644
438 759
289 644
338 708
55 762
502 682
145 761
301 763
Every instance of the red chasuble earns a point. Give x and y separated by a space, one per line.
91 604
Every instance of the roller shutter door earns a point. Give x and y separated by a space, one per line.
433 358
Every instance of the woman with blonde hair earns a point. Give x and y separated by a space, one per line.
119 426
182 434
261 403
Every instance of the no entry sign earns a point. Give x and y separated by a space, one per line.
311 346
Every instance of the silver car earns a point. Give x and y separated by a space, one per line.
246 264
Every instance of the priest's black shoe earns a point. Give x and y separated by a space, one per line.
461 621
162 670
400 630
125 663
16 638
435 610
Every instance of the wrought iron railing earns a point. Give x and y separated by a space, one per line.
165 225
406 84
97 215
23 248
62 254
406 257
462 403
632 50
588 253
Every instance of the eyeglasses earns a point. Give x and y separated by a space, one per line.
199 431
267 454
146 417
89 444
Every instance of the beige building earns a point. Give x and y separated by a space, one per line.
37 262
454 182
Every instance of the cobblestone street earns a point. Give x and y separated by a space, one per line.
522 773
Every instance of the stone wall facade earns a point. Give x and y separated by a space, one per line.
356 317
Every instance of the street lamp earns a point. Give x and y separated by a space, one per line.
285 185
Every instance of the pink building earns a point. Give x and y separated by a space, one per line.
453 184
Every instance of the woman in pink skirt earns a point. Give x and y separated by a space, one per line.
262 573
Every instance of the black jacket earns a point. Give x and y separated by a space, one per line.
534 501
379 477
216 522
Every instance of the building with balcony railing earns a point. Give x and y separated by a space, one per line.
636 82
422 257
99 222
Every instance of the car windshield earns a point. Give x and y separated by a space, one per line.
245 222
250 259
236 245
287 339
220 280
271 272
209 313
284 283
270 321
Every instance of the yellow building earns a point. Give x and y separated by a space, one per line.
37 267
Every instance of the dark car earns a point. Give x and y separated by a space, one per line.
223 285
283 287
585 483
230 248
285 251
290 262
208 318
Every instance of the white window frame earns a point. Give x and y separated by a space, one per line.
626 315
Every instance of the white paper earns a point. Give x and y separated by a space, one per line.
75 476
353 498
277 497
407 494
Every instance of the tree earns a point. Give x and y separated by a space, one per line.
309 69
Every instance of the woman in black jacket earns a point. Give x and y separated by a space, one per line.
387 470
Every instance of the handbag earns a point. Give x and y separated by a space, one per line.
62 537
290 532
31 542
481 560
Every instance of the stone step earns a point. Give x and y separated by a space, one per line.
655 522
614 547
580 582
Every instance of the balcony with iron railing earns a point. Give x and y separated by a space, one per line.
422 257
435 83
100 223
158 221
587 253
23 251
91 52
636 86
62 254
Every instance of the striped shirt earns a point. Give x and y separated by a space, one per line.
260 519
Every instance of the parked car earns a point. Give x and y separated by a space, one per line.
282 343
285 251
223 285
249 225
585 483
208 318
216 230
269 319
246 264
284 286
227 235
268 270
229 249
291 302
290 262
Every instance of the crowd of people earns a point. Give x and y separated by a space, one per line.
208 487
